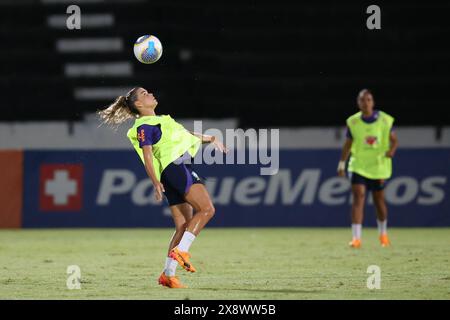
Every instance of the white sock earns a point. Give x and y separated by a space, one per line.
382 226
186 241
356 230
171 266
168 259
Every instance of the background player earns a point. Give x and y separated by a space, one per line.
165 147
371 143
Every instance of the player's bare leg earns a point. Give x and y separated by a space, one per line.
381 209
181 214
200 200
359 196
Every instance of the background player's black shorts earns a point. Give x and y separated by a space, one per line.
177 179
371 184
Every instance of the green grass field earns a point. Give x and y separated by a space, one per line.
231 263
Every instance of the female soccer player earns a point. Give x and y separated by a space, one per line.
372 143
164 146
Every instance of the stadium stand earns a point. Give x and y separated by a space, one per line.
224 61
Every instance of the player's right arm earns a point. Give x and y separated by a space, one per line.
345 153
148 163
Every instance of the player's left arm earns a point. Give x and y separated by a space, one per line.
205 138
218 145
393 145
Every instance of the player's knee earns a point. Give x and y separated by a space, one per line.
378 197
187 221
209 211
359 196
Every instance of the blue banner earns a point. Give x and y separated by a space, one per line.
111 189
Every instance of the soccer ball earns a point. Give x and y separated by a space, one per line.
148 49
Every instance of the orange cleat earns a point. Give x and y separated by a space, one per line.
170 282
182 259
384 240
355 243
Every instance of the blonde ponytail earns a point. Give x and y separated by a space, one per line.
117 112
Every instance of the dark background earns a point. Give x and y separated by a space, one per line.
267 63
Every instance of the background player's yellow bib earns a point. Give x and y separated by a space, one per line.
370 143
174 142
